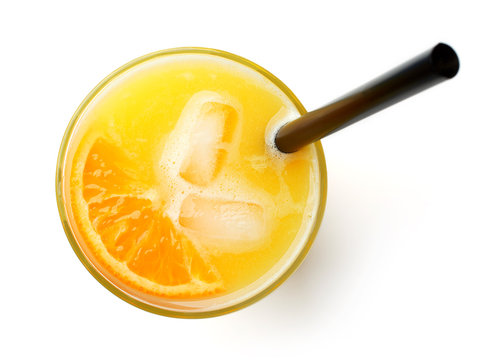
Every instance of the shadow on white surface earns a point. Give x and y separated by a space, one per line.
311 290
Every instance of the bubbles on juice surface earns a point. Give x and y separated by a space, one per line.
221 211
282 117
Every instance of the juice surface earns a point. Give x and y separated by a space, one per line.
174 188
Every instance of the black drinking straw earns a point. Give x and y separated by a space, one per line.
428 69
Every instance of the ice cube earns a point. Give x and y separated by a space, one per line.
212 131
226 224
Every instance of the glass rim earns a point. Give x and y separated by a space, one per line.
113 288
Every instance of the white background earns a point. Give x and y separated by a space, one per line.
401 268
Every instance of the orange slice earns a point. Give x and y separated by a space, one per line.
124 225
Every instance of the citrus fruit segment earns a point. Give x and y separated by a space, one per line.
131 233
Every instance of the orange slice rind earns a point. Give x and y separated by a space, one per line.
124 226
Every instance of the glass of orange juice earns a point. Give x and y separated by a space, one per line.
171 191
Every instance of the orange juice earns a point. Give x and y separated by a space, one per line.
173 191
